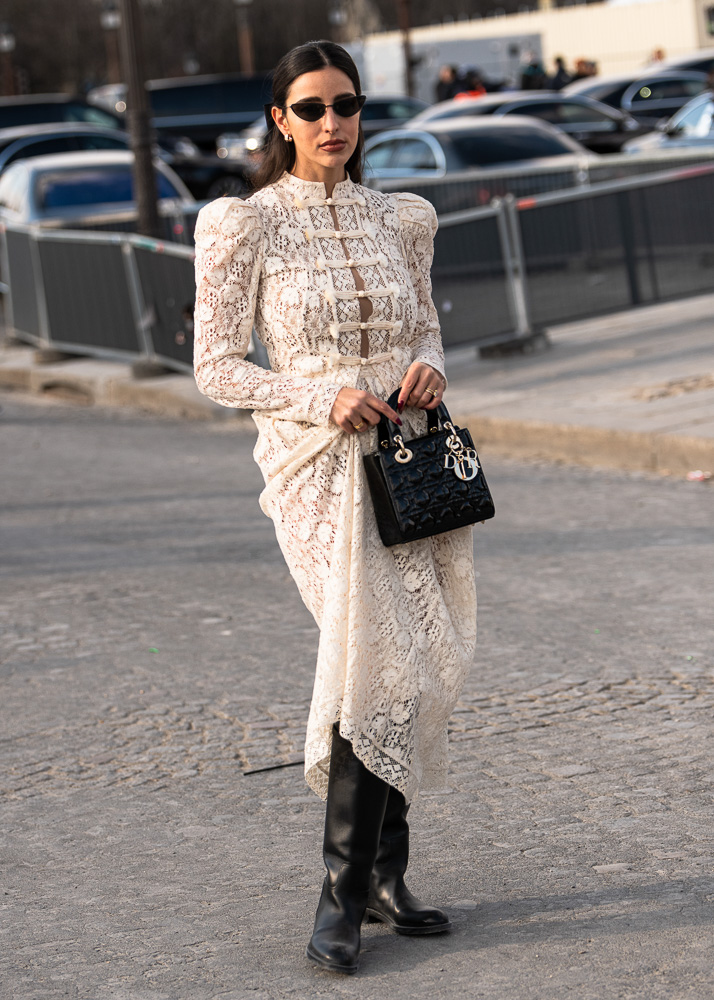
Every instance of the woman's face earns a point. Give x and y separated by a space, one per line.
322 147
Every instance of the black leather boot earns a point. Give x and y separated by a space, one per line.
356 800
389 899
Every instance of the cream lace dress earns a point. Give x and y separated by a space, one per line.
397 625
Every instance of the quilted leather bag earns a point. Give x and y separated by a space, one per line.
427 485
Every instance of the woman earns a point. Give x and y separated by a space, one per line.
335 279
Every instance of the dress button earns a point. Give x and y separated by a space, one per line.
363 326
350 262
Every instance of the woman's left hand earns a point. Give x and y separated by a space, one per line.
422 386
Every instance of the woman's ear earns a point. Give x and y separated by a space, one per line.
280 120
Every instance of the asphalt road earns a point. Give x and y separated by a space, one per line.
156 658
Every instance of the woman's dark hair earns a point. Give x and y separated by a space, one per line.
280 155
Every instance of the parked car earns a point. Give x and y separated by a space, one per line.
692 126
205 175
597 126
39 140
646 96
198 107
83 190
433 149
702 60
380 112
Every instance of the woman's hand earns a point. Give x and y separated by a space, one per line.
422 386
355 410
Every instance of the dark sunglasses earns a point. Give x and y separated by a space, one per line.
313 111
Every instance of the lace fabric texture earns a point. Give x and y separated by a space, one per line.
397 625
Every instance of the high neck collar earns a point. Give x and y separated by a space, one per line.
316 189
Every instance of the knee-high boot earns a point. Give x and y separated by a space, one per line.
389 899
356 800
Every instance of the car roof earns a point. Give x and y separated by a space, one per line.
471 123
618 78
55 128
68 161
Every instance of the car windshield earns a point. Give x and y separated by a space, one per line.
44 112
92 186
485 148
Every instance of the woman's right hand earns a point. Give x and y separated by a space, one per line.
355 410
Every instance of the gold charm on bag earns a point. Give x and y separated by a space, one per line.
463 461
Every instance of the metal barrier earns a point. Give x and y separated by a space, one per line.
106 295
477 188
501 273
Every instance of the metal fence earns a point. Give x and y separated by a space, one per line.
107 295
477 188
500 273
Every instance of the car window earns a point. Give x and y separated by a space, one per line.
506 146
30 114
549 111
397 110
414 154
665 90
223 96
101 142
611 94
697 121
59 144
572 113
381 154
88 113
91 186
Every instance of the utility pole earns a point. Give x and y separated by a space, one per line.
132 56
405 28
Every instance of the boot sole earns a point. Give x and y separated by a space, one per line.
346 970
378 918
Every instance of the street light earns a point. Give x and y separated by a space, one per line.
245 36
7 47
110 20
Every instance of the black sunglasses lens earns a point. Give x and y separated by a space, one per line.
309 111
348 107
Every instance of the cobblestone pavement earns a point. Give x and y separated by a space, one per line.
159 842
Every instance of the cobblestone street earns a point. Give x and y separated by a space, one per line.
159 841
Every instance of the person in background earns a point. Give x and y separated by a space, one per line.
471 86
533 75
585 68
561 77
447 84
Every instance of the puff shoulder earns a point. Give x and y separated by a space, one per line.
417 211
227 219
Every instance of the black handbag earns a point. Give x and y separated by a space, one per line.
427 485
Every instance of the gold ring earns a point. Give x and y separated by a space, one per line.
434 392
359 426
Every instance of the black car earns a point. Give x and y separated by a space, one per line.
205 175
597 126
647 96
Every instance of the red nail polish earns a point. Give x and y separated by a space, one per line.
400 406
399 421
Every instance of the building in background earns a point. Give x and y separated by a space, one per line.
619 36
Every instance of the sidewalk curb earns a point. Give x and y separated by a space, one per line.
590 446
111 384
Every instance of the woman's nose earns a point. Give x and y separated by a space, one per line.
330 120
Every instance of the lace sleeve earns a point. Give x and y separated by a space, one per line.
229 254
418 222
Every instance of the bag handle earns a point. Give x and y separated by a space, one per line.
386 429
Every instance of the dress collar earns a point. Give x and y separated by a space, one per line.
316 189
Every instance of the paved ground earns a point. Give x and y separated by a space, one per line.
155 653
